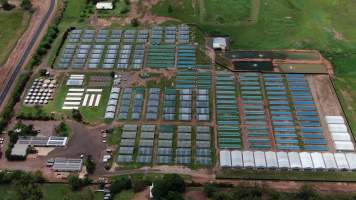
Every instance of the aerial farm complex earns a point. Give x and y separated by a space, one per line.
170 98
173 107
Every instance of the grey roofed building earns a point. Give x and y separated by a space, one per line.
220 43
67 164
52 141
19 150
109 115
111 109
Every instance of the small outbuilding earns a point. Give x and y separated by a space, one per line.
220 43
104 5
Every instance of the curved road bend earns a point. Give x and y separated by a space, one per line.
25 55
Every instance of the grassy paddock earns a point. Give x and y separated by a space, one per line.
90 114
285 175
52 192
325 25
12 25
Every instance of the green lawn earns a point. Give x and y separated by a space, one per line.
90 114
214 11
12 25
53 192
126 194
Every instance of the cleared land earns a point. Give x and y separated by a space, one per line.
12 24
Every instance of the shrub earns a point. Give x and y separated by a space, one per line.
123 183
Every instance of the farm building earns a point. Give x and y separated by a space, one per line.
220 43
104 6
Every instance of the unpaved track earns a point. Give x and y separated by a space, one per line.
26 45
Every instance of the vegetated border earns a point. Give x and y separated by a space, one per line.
283 175
41 51
343 110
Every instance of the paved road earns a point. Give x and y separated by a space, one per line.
25 55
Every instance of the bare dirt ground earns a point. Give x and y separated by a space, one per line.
326 101
84 140
195 194
41 8
143 195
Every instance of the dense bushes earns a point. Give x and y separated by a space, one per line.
26 5
19 130
90 165
62 129
6 5
123 183
45 45
39 114
7 113
76 183
216 192
171 186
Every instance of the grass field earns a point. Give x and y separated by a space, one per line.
92 115
12 25
324 25
213 11
126 194
52 192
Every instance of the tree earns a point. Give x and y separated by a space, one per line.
43 72
169 183
26 185
26 5
222 196
170 8
90 164
75 182
174 196
307 193
62 129
6 5
246 193
112 74
135 22
209 189
123 183
86 195
77 115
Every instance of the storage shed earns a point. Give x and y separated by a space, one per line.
329 160
294 160
271 159
248 159
283 160
260 159
318 161
225 158
341 161
306 160
104 5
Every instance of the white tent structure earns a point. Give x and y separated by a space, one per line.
220 43
104 6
